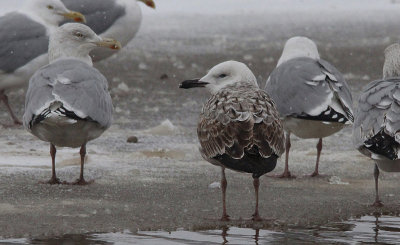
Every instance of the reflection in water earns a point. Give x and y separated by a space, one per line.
224 234
367 229
256 236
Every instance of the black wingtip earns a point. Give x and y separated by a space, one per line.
382 144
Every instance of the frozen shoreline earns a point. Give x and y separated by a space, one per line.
161 182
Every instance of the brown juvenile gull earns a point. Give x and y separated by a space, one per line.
239 126
25 40
120 19
68 103
376 130
312 97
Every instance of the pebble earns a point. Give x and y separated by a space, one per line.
132 139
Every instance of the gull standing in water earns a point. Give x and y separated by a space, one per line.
120 19
239 126
312 97
376 131
25 40
68 103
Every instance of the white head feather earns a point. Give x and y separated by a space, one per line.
391 67
297 47
228 73
73 40
46 11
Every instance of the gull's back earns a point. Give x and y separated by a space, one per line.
239 128
69 92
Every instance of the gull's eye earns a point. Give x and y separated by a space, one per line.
78 34
50 7
222 75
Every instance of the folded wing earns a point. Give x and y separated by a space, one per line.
81 89
232 124
310 89
377 120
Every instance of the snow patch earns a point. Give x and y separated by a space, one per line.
335 180
248 57
366 78
118 109
165 128
142 66
215 185
123 87
15 241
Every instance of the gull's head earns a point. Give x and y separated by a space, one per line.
297 47
149 3
391 67
77 40
222 75
53 11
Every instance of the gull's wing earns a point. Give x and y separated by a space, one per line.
310 89
82 90
22 40
234 121
376 128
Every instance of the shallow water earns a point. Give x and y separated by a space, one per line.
163 174
367 229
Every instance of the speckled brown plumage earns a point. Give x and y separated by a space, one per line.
238 121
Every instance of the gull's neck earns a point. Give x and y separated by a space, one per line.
238 86
297 48
249 82
391 67
289 54
59 50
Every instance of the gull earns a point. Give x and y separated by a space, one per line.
67 103
120 19
24 42
312 96
239 127
376 129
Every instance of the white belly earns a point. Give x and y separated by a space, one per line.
307 129
63 133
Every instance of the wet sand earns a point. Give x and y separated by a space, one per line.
161 182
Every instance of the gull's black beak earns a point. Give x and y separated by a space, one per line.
194 83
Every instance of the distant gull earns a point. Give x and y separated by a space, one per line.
24 42
376 131
68 103
120 19
311 95
239 126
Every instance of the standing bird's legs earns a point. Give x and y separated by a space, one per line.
256 184
224 184
377 202
319 149
4 98
81 180
286 172
54 180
